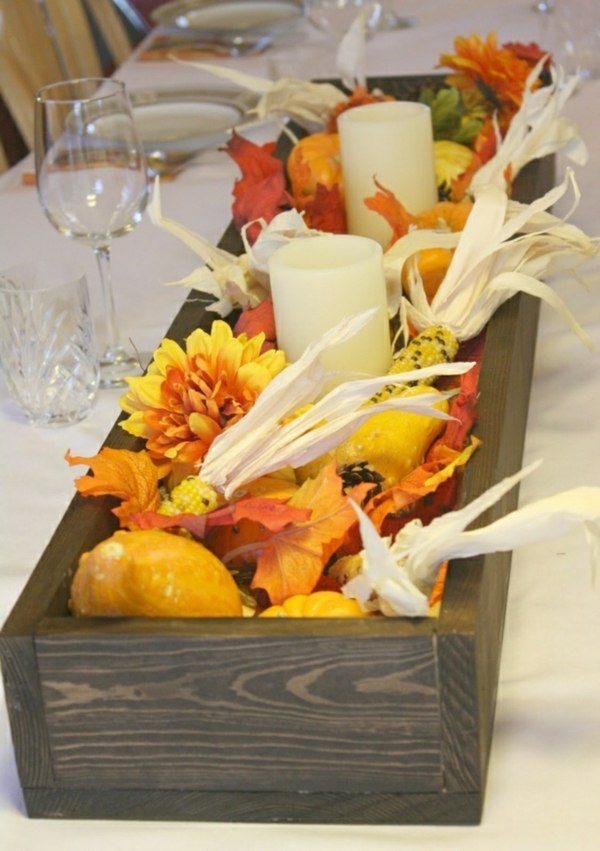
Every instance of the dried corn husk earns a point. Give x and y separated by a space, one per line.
233 281
396 578
505 248
273 435
308 104
536 130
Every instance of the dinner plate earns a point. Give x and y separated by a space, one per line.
175 123
230 15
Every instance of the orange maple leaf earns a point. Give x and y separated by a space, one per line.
393 211
292 561
423 480
130 476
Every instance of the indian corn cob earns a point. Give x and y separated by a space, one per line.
190 496
435 344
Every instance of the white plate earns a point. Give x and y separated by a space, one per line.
208 15
177 122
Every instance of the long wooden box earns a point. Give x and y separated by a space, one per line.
317 720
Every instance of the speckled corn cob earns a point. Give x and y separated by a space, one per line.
190 496
436 344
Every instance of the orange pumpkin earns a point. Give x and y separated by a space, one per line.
432 264
314 159
319 604
450 214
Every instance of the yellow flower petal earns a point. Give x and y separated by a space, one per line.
169 353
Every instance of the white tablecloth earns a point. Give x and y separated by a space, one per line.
544 772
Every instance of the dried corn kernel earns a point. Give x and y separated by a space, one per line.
190 496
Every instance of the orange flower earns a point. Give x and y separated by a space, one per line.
188 397
496 73
359 97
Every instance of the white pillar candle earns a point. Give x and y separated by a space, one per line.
316 282
391 141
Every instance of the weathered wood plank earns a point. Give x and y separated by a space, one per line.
26 711
319 713
251 806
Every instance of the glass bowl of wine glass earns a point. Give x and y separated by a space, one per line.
92 183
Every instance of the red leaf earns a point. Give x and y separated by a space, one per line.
255 320
464 405
260 192
325 210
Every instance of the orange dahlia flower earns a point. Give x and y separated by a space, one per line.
496 73
188 397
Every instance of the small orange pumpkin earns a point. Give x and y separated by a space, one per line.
432 264
314 159
319 604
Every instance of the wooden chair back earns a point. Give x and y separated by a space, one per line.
42 42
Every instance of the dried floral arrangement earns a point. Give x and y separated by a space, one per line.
258 493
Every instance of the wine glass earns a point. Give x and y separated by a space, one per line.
92 183
336 16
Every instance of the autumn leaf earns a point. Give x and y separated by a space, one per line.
261 191
130 476
325 210
292 561
272 514
444 458
254 320
463 406
393 211
359 97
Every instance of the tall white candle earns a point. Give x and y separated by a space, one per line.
316 281
391 141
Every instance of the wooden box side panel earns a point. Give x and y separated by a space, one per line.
468 713
249 806
317 714
26 711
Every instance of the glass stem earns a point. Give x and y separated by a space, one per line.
112 346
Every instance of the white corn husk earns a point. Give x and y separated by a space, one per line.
505 248
351 59
270 436
308 104
282 228
224 276
397 578
233 281
536 130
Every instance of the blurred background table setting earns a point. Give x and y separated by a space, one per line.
545 763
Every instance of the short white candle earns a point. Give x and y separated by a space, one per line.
391 141
316 281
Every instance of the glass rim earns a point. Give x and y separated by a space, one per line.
74 273
42 95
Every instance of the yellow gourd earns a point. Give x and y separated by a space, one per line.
152 573
319 604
